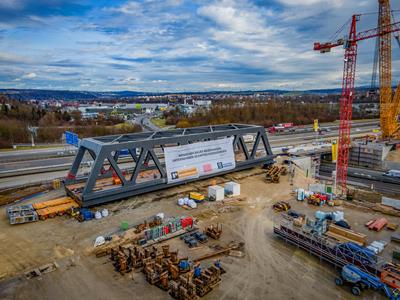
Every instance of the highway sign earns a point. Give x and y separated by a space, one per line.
71 138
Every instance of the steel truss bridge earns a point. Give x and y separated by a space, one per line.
108 181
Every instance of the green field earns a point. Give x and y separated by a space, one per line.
160 122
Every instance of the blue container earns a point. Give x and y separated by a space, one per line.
86 214
183 265
197 271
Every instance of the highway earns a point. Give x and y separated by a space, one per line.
14 172
22 167
365 177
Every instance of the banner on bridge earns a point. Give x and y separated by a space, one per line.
199 159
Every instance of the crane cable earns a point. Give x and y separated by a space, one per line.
336 34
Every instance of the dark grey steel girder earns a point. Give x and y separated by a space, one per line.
141 147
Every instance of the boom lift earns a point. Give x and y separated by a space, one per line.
361 280
389 104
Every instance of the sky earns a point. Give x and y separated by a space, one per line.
180 45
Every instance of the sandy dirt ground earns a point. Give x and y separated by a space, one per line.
271 269
394 156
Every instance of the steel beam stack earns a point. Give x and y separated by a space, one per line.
146 149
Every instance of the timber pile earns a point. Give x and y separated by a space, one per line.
346 235
233 245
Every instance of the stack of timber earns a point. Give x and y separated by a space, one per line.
346 235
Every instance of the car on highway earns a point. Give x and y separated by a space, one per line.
392 173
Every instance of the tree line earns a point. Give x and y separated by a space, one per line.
16 116
254 112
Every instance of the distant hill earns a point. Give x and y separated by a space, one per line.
28 94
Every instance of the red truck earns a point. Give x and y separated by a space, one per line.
280 127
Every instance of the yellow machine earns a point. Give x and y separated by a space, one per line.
196 196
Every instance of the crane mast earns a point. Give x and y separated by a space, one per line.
346 105
385 71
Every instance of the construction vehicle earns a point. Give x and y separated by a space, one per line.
197 197
317 200
281 206
389 103
390 275
214 231
360 280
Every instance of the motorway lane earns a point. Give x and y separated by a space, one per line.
20 155
383 187
275 141
362 173
365 177
36 163
43 153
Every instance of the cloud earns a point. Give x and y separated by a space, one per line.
336 3
176 45
29 75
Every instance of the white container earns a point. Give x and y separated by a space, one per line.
97 215
384 243
181 201
338 216
377 245
373 249
104 213
300 194
232 188
186 201
216 193
192 204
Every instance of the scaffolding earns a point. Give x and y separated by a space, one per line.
131 164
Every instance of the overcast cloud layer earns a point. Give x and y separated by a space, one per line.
179 45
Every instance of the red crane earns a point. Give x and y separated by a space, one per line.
346 100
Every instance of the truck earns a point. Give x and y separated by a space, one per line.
280 127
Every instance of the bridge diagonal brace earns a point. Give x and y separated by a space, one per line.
255 146
157 163
132 152
94 174
138 167
244 147
75 165
115 167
